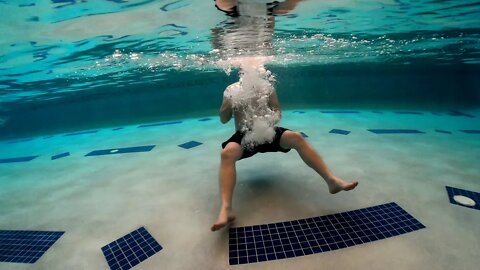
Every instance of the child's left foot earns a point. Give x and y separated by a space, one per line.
336 185
224 218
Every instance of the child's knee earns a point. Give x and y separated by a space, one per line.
232 151
291 139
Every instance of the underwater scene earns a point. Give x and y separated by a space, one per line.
249 134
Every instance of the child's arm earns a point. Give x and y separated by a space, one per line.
225 110
274 104
285 7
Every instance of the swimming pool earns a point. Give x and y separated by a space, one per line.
109 126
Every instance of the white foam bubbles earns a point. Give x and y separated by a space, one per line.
250 98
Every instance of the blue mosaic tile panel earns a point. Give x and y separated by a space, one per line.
81 133
304 135
205 119
396 131
17 159
25 246
451 191
130 250
62 155
443 131
339 111
302 237
470 131
190 144
406 112
160 124
339 131
125 150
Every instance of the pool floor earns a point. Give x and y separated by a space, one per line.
172 191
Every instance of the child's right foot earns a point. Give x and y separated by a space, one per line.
224 218
336 185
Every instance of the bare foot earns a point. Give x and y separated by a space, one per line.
336 185
224 218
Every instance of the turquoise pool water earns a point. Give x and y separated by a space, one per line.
92 63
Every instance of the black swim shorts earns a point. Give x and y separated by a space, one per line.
273 146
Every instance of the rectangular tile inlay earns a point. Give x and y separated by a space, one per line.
320 234
17 159
339 131
25 246
160 124
81 133
457 113
20 140
475 196
121 150
339 111
395 131
130 250
443 131
205 119
470 131
404 112
66 154
190 144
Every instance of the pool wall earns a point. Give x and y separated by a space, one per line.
195 94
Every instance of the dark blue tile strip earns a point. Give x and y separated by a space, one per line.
339 131
407 112
304 135
205 119
19 141
457 113
81 133
25 246
320 234
395 131
190 144
118 128
339 111
470 131
130 250
299 112
17 159
451 191
443 131
160 124
121 150
62 155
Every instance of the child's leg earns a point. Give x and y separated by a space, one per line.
229 156
296 141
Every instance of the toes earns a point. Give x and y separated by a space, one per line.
216 227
